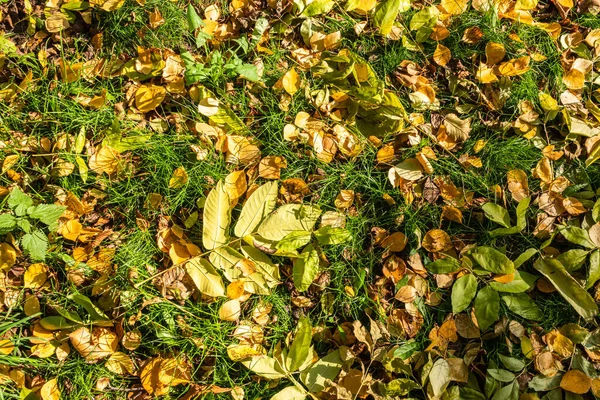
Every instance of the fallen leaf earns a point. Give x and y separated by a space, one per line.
148 97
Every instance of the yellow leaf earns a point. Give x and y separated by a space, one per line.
106 160
8 256
217 216
155 19
95 345
395 242
575 381
455 7
236 184
574 79
174 371
179 178
205 277
525 4
230 310
120 363
436 240
35 276
291 81
71 230
515 66
270 167
344 199
50 391
43 350
148 97
149 378
32 305
442 55
6 346
494 53
9 162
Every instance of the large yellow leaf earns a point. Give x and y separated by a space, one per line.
289 218
205 277
455 7
260 203
216 218
35 276
148 97
50 391
291 81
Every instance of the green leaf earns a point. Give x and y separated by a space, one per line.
19 202
578 236
97 316
248 71
35 245
193 19
541 383
522 213
526 255
508 392
289 218
290 393
443 266
8 222
497 214
205 277
300 348
522 305
596 211
511 363
327 368
56 322
48 214
467 393
385 15
217 217
487 307
400 387
293 241
318 7
328 235
492 260
594 270
568 287
260 204
463 291
70 315
573 259
522 282
264 366
24 224
306 268
501 375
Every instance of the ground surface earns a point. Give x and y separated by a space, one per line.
275 199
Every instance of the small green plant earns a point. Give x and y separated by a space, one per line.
31 219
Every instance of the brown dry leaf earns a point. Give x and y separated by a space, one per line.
241 150
270 167
344 199
436 241
95 345
458 129
50 390
179 178
35 276
395 242
291 81
517 184
441 55
131 340
148 97
494 53
573 206
544 171
106 159
575 381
